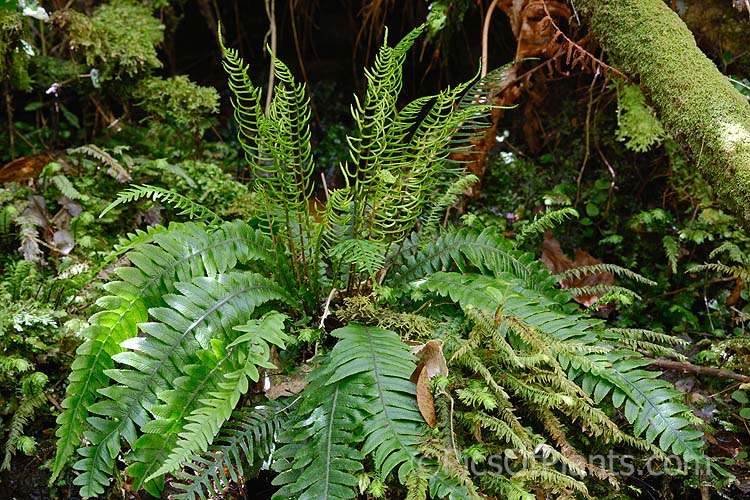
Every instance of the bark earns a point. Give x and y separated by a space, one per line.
696 103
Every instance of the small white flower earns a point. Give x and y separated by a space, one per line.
38 13
53 89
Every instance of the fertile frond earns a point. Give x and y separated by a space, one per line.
478 98
243 442
543 222
186 206
246 103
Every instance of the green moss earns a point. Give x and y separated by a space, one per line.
13 59
120 38
696 103
176 100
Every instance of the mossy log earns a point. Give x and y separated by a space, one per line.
696 103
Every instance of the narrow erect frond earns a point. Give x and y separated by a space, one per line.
246 103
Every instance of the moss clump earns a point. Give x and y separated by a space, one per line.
120 38
695 102
13 59
176 100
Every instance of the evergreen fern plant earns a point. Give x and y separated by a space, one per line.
173 378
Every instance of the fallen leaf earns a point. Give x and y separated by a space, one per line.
425 401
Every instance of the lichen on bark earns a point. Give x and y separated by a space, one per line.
696 103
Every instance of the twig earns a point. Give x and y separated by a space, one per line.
54 402
271 13
485 35
686 366
587 139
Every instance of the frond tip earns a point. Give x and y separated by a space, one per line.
187 206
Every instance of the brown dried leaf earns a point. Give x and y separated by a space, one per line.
25 168
557 262
283 385
430 355
425 401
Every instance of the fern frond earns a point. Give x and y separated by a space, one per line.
436 213
206 309
578 272
651 405
186 206
732 250
605 290
25 411
738 272
246 103
363 255
63 184
392 430
115 168
205 421
245 440
318 456
541 223
463 248
13 365
672 251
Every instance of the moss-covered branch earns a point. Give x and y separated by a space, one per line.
694 100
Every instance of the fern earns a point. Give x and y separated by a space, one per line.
32 397
115 168
672 251
543 222
188 207
187 250
361 397
578 272
615 371
205 421
63 184
247 438
737 272
205 310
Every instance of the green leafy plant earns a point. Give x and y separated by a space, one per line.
175 370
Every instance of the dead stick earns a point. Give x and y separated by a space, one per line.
701 370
